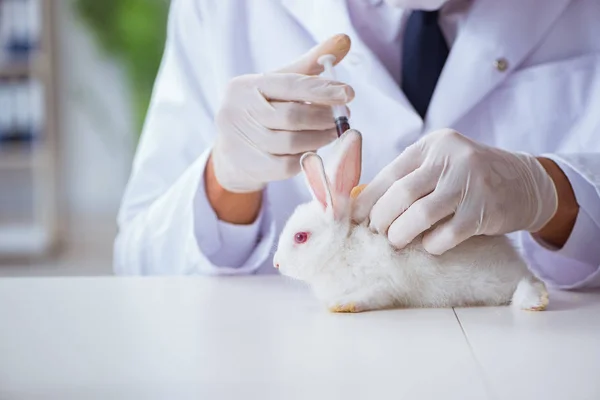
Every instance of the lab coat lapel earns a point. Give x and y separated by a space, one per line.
325 18
494 31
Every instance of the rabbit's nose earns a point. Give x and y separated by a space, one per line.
277 265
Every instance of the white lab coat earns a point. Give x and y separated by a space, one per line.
546 102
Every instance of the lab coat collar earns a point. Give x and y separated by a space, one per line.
494 31
323 19
495 34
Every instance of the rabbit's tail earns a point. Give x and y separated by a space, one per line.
531 295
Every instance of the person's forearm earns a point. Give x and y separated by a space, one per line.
234 208
558 229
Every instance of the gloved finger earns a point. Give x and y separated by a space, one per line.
280 166
303 88
297 117
400 196
449 235
338 46
403 165
419 217
281 142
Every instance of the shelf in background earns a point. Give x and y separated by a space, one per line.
28 163
17 156
15 69
18 239
36 64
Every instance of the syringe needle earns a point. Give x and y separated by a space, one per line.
339 111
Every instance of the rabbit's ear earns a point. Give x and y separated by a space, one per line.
314 171
345 165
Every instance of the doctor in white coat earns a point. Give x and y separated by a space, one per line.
483 111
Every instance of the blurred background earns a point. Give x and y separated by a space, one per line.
75 81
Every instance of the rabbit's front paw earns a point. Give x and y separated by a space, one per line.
346 308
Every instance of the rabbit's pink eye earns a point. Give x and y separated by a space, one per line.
301 237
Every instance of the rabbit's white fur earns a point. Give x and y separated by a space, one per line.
350 268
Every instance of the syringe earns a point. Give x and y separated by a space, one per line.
339 111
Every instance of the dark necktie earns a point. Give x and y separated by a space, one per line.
424 53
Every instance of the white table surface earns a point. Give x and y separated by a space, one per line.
264 337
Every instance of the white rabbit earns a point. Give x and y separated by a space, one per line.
351 269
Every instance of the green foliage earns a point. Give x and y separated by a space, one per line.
134 31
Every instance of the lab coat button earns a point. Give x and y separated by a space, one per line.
501 64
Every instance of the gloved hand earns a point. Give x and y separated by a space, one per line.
267 121
475 189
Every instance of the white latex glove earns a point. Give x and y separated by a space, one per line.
475 189
265 124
